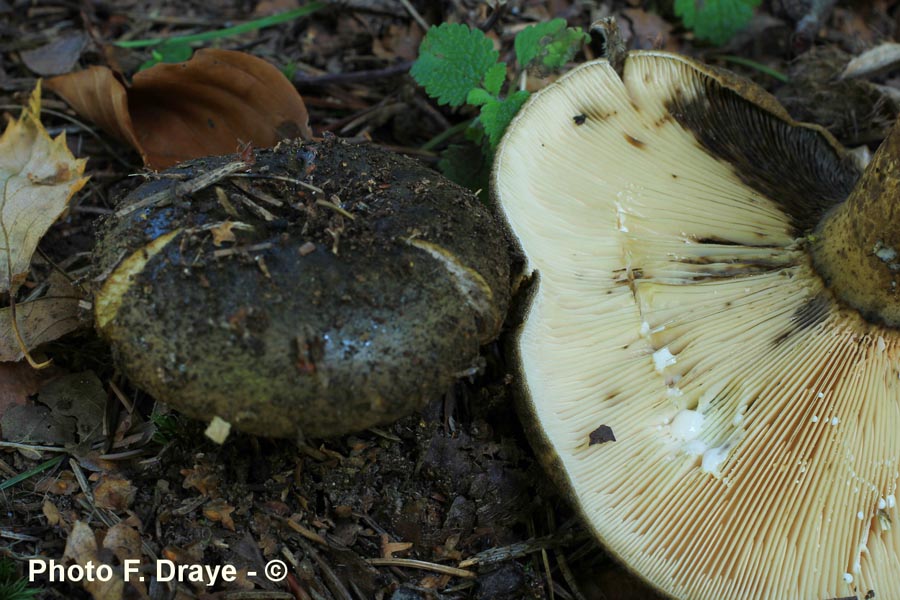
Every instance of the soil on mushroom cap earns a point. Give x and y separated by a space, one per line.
279 339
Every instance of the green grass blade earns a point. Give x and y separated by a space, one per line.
31 473
746 62
228 31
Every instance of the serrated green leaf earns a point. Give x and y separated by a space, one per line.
563 48
494 78
549 45
528 41
475 134
715 21
496 115
479 96
453 59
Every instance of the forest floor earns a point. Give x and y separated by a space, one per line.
456 487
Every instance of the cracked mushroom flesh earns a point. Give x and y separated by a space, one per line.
725 420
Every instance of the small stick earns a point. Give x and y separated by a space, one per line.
419 564
414 14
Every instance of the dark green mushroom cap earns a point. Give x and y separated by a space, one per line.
726 424
358 285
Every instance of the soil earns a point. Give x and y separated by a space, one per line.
455 487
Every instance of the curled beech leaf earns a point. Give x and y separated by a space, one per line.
208 105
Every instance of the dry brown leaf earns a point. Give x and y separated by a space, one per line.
43 320
64 484
114 493
124 541
51 512
174 112
201 479
79 397
223 233
219 510
18 381
35 424
58 56
98 94
81 548
647 30
38 176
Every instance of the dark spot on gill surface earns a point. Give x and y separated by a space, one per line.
579 119
597 114
634 141
808 315
601 435
716 240
720 241
794 167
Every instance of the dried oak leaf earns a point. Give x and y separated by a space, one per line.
38 176
208 105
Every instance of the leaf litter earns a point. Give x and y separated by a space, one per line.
209 105
38 177
452 482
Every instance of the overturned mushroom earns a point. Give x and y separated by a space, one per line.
324 289
709 353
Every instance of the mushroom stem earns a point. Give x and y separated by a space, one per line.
857 248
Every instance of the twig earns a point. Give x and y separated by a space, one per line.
257 595
520 549
307 533
32 447
13 535
412 563
82 481
570 577
549 574
308 186
414 14
335 585
335 208
354 76
185 188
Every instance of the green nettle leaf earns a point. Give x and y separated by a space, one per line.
479 96
494 78
496 115
453 59
715 21
549 45
563 48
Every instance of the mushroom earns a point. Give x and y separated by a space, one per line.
313 289
708 350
